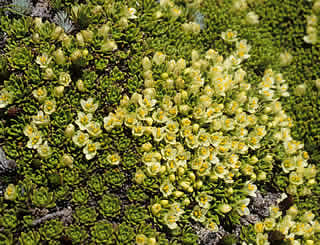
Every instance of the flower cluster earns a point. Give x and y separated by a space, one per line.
92 128
295 226
42 119
206 140
312 26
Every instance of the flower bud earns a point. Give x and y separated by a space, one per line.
163 169
195 56
285 58
75 55
292 211
37 23
56 33
254 160
309 242
146 64
10 193
149 83
157 15
198 184
190 189
147 75
181 171
181 65
85 52
36 37
67 160
69 131
98 9
230 191
164 203
87 35
109 45
139 177
192 176
178 194
316 7
123 22
186 202
66 40
300 90
59 57
268 158
292 189
195 128
184 109
262 176
125 101
146 147
155 209
267 109
179 83
317 82
252 18
104 30
48 74
169 84
311 182
224 208
80 85
172 177
58 91
159 58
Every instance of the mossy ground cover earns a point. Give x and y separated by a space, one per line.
96 102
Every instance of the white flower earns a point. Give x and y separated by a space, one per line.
80 139
93 128
49 106
311 38
229 36
6 98
175 12
34 140
288 164
29 130
40 119
43 60
83 120
204 200
131 13
170 220
250 189
242 207
114 159
212 225
44 150
166 188
90 150
199 214
159 58
88 105
64 78
40 94
138 130
153 168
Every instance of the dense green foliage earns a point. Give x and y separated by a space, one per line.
60 81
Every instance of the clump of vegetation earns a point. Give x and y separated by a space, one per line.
147 122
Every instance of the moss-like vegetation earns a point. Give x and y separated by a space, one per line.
159 122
